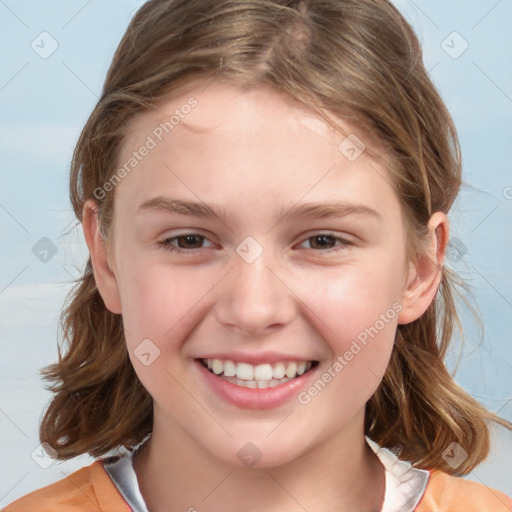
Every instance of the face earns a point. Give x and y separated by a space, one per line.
250 237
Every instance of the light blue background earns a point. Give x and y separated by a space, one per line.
45 102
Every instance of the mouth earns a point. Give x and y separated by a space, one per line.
261 376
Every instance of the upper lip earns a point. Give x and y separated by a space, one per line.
255 358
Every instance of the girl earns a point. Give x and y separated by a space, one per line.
264 188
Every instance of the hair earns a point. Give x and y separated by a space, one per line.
354 58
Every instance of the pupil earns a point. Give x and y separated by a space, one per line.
325 240
189 240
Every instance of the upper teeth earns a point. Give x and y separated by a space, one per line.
263 372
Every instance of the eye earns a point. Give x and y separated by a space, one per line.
327 241
191 242
183 243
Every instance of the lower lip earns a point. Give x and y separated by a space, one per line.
254 398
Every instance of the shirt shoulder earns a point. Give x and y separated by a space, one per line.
89 489
447 493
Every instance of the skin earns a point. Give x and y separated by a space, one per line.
254 153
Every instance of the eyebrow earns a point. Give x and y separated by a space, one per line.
303 211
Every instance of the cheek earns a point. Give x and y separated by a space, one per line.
355 310
160 308
158 300
345 301
360 334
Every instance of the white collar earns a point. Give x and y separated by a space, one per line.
405 485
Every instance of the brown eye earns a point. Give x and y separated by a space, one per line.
326 241
187 241
183 243
322 242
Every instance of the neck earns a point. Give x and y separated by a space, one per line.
173 470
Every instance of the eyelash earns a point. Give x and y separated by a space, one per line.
168 246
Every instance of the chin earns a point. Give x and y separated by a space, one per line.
260 453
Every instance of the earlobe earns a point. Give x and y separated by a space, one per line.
425 274
103 274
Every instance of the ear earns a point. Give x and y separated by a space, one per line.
425 274
103 274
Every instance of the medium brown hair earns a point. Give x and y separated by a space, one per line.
354 58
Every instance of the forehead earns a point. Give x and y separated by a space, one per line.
220 100
225 143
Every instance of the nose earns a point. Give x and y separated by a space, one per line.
254 299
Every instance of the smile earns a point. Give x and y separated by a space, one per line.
259 376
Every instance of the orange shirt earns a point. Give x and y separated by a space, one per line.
90 489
